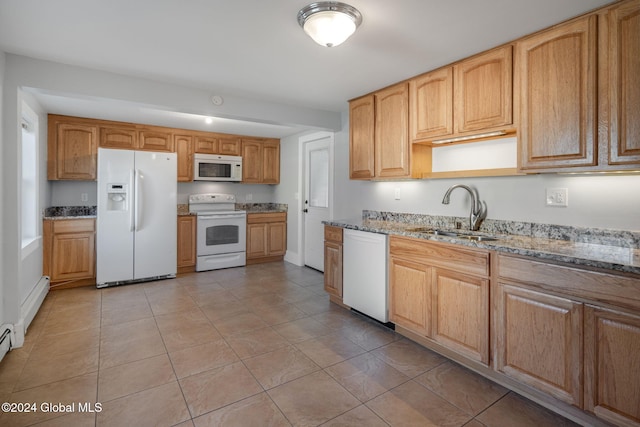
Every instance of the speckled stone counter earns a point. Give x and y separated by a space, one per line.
262 207
184 210
69 212
617 250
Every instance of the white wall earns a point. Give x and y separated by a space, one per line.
2 203
602 201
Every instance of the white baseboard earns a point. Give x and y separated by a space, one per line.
294 258
29 309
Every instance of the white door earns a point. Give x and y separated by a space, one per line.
318 196
155 189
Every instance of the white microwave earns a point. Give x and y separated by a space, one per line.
214 167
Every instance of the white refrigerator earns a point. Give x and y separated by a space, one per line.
136 226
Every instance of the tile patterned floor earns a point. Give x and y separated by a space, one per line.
254 346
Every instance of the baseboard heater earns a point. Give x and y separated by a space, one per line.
5 342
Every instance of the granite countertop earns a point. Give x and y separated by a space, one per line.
604 253
70 212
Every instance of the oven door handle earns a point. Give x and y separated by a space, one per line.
204 217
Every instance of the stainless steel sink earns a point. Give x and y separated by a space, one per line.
449 233
475 238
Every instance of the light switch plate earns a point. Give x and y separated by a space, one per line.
558 197
397 193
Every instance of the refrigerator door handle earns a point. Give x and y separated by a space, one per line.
132 178
138 198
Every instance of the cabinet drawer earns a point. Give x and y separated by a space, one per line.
614 289
73 225
255 218
441 255
333 234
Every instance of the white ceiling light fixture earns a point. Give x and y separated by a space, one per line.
329 23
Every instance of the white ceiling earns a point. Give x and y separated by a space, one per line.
256 49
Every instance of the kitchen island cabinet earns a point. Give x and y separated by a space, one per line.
69 252
266 237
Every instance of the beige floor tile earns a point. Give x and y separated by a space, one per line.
465 389
281 313
39 371
11 368
126 313
366 376
296 293
188 423
257 410
329 349
409 358
338 318
164 303
218 387
513 410
264 301
74 419
128 342
302 330
163 405
474 423
413 405
360 416
186 329
206 298
77 389
224 309
249 290
50 346
64 321
280 366
312 399
369 335
239 324
133 377
314 305
167 287
256 342
200 358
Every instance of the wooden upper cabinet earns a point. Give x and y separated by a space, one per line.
206 144
623 68
184 150
271 162
483 96
155 140
72 149
392 132
229 146
556 79
361 137
251 161
432 105
118 137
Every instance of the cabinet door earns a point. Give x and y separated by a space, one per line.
229 146
277 239
557 84
612 364
206 145
624 84
392 132
333 268
539 341
186 241
74 151
184 150
461 313
152 140
251 161
73 256
484 91
432 105
361 138
118 137
257 236
271 162
410 296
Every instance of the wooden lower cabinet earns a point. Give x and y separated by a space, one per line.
333 263
186 243
441 292
266 237
69 252
612 365
539 341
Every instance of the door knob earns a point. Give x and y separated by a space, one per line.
305 210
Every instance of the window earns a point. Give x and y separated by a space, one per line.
29 182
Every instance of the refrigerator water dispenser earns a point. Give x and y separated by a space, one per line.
117 197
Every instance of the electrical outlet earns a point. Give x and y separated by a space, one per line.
557 197
84 197
248 197
397 193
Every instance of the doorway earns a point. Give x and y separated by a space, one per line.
318 194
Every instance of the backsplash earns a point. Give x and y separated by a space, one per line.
601 236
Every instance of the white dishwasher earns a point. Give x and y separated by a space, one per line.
365 279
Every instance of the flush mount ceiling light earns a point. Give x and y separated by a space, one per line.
329 23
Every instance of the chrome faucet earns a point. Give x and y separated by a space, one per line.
478 208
